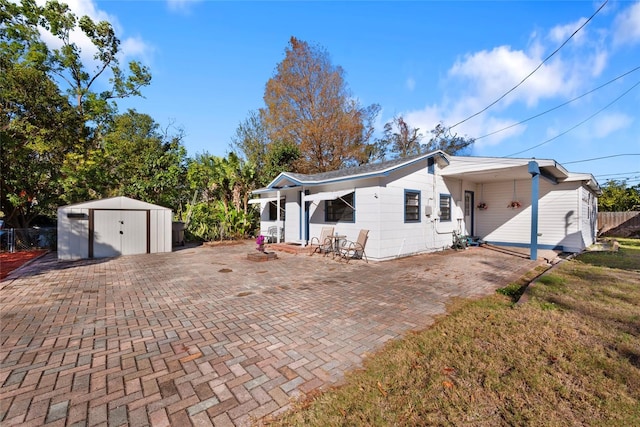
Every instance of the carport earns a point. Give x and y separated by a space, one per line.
112 227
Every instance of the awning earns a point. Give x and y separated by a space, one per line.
326 195
264 199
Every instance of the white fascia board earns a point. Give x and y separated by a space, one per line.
588 179
263 200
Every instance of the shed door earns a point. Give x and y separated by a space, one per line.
118 232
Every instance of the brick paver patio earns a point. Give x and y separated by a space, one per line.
203 336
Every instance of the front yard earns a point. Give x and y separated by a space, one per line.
569 355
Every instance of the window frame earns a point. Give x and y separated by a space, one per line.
273 205
418 217
448 208
336 214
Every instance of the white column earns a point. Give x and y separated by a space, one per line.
303 215
278 222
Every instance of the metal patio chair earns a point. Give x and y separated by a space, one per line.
322 244
355 250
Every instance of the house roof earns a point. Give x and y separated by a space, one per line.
370 170
474 169
490 169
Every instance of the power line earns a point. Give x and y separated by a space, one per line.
601 158
536 69
561 105
621 173
627 179
579 124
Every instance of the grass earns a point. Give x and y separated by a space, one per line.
626 258
569 355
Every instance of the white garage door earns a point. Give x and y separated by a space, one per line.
119 233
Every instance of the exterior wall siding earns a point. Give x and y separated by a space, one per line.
399 238
589 226
559 215
73 241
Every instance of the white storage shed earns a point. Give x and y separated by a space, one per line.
112 227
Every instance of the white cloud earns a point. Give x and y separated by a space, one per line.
183 6
425 119
599 62
490 74
606 124
136 47
560 33
411 84
627 26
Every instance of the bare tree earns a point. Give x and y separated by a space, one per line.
308 104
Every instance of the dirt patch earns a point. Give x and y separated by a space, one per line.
11 261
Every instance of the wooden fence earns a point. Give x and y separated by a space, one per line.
619 224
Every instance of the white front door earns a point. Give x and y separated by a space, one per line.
468 213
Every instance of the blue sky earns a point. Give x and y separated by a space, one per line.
425 60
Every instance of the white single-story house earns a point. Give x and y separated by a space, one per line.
413 205
112 227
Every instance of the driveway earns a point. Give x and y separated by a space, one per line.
203 336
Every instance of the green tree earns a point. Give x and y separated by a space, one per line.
144 162
37 131
618 197
46 130
251 141
282 157
225 184
308 104
65 62
136 160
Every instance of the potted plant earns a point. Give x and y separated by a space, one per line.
482 206
514 204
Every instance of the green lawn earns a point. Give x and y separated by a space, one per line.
566 354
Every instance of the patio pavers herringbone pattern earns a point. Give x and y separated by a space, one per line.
203 336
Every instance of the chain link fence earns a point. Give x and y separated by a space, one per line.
26 239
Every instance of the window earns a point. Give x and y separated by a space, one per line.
340 209
467 204
273 210
445 207
411 206
431 165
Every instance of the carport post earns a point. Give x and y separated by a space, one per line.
534 170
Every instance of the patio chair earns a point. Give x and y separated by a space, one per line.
272 234
355 250
322 244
